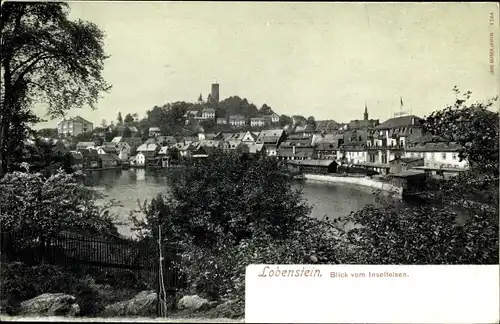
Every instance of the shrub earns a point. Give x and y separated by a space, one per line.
31 202
228 212
21 282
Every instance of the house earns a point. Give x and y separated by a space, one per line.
90 159
402 164
306 130
271 140
327 145
147 153
76 160
133 144
122 130
352 153
74 126
140 159
186 151
210 143
237 120
222 121
272 119
154 131
230 145
108 161
439 157
388 140
327 126
163 156
84 145
200 152
258 121
257 149
313 166
208 113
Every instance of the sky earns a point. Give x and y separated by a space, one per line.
320 59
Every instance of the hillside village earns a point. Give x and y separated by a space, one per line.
391 146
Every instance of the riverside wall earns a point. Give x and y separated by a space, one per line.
360 181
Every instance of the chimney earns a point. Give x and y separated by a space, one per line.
293 150
413 121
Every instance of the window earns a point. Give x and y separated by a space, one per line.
432 156
444 156
454 156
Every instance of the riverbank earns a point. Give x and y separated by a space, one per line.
360 181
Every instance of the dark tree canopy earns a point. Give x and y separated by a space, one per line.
128 119
38 40
119 119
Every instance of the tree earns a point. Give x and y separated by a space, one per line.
104 123
38 40
285 120
299 120
200 98
456 221
136 117
50 205
311 121
265 110
47 132
119 119
228 212
128 119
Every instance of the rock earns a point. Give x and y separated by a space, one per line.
142 304
50 305
194 302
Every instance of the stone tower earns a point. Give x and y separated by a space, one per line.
365 115
215 92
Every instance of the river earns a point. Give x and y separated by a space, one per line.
127 186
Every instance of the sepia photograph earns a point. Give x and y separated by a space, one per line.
151 151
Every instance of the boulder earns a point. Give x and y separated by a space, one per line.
194 302
50 305
142 304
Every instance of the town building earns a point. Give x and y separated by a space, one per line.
154 131
208 113
271 139
257 121
74 126
237 120
222 121
313 166
438 157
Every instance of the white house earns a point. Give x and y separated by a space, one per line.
140 159
237 120
208 113
438 156
154 131
257 121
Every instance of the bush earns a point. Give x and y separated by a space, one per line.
21 282
227 213
31 202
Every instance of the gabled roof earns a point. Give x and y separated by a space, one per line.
117 139
147 148
410 120
208 109
254 148
133 129
163 150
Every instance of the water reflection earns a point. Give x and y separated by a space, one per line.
127 186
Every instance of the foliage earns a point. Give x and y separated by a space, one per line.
21 282
311 121
129 119
473 126
119 119
228 212
456 220
47 157
285 120
39 40
265 110
47 132
50 205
